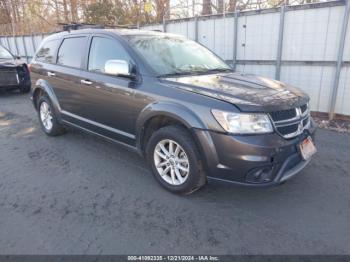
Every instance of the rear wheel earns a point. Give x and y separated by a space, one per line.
174 160
48 119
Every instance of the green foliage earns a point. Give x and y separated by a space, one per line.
107 12
103 12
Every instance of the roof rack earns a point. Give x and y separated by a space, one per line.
121 26
77 26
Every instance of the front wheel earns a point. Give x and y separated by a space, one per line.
175 161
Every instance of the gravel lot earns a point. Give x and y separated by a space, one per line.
76 194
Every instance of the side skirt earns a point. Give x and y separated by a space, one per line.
88 131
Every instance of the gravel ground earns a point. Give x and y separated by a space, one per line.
76 194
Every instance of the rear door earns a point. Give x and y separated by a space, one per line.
43 65
67 73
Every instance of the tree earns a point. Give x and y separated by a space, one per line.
5 16
232 5
162 9
101 12
74 10
206 9
40 16
220 7
65 10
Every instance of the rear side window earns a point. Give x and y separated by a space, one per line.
47 52
71 52
104 49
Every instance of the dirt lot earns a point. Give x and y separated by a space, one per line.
77 194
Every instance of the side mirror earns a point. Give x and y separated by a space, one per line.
118 68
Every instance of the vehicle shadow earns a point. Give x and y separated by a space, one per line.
10 93
220 194
213 191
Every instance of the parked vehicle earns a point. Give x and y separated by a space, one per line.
14 74
176 103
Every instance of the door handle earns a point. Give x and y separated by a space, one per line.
86 82
50 74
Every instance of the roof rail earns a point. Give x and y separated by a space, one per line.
76 26
122 26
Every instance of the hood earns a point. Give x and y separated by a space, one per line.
8 63
247 92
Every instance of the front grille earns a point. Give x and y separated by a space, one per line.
285 130
292 122
284 114
305 121
8 77
303 108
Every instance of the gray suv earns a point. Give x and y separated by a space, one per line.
176 103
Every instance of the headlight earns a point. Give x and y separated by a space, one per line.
241 123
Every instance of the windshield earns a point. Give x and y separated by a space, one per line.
176 55
4 54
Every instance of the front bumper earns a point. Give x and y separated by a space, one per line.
14 78
254 160
21 84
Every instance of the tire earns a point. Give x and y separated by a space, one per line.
52 127
189 181
24 89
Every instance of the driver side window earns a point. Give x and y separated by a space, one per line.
103 49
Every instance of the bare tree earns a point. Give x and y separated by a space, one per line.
74 10
232 5
162 9
220 6
30 16
65 11
206 9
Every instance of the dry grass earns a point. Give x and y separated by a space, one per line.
342 126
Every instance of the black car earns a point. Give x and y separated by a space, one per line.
174 102
14 74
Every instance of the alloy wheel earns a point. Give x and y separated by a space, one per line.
46 116
171 162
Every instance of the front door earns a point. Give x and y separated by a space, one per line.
108 100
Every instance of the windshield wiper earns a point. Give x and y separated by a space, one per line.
196 72
176 74
214 70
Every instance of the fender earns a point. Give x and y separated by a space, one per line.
170 109
185 116
46 87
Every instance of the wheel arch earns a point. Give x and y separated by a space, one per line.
41 88
158 115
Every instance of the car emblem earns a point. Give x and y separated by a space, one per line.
300 127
